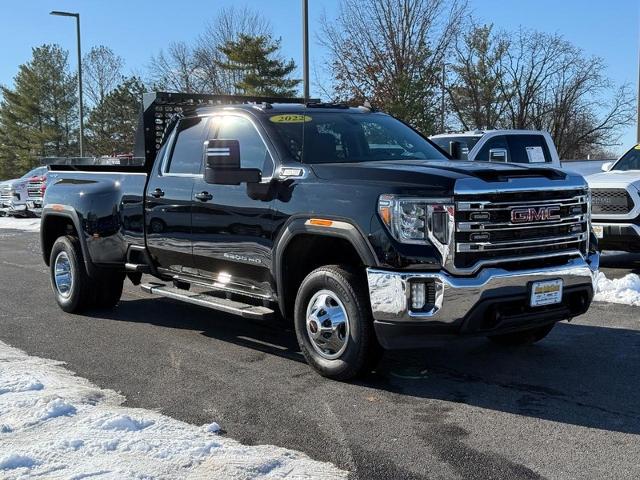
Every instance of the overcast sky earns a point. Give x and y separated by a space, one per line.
135 29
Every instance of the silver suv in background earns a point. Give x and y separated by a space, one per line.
23 196
532 147
615 203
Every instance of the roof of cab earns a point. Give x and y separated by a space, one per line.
271 108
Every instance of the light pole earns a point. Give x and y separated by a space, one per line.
305 48
77 17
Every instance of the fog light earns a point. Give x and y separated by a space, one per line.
418 294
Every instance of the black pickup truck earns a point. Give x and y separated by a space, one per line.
345 221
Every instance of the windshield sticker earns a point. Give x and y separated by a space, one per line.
290 118
535 154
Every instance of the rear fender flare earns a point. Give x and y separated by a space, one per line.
67 212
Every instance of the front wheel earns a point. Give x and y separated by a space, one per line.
524 337
333 323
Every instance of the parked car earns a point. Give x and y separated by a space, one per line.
615 203
295 211
532 147
23 196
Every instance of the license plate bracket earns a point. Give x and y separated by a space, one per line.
545 292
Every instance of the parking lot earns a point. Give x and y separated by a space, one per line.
568 407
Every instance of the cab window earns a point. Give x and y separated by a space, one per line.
187 152
528 149
495 149
629 161
253 151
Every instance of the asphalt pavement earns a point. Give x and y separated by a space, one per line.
568 407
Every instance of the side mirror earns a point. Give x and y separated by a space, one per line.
606 166
455 150
222 164
498 155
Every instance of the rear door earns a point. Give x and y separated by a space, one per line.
169 197
233 224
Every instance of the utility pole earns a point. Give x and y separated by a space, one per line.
638 116
305 48
443 86
81 109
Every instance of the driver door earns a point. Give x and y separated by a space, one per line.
232 232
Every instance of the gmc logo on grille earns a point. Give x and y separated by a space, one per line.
535 214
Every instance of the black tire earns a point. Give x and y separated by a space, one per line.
81 293
109 290
524 337
362 351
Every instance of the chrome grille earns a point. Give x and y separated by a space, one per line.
34 189
615 201
6 194
490 230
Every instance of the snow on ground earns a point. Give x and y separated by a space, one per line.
25 224
56 425
618 290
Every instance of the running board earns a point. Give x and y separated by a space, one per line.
209 301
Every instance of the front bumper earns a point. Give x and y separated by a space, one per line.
493 301
619 236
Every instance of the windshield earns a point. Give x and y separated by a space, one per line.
36 172
331 137
629 161
466 143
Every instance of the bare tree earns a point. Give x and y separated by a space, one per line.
102 70
226 28
475 94
176 70
390 52
534 80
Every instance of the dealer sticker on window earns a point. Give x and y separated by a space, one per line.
290 118
546 292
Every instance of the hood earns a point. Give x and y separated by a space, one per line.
421 171
614 177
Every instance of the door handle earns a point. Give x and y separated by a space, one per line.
157 193
204 196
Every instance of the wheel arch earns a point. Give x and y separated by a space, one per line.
59 220
302 234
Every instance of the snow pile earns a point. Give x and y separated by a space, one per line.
619 290
56 425
24 224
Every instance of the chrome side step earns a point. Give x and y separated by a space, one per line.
209 301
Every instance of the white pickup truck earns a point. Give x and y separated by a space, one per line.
615 203
512 146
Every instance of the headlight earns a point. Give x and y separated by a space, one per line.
418 220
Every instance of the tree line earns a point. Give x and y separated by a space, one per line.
424 61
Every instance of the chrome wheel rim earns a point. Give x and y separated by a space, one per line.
62 274
327 324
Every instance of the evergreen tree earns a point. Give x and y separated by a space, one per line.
261 73
111 125
38 115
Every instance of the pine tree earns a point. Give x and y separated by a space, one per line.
38 115
111 125
260 71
